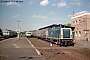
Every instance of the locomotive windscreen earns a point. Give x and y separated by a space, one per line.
66 33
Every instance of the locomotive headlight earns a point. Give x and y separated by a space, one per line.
71 35
7 33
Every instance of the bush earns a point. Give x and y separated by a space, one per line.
1 32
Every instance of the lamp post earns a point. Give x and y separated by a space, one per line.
18 30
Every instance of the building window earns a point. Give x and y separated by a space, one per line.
84 21
76 21
79 21
77 28
76 33
73 22
79 33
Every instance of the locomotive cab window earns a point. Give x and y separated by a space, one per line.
29 33
66 33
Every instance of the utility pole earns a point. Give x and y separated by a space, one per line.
18 30
73 13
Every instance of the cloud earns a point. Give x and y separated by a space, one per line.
19 5
89 4
39 16
44 3
56 19
62 4
16 15
52 13
53 4
70 16
31 3
76 2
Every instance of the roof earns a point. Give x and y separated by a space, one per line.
70 27
50 26
79 14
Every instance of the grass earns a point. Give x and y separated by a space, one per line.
37 43
4 56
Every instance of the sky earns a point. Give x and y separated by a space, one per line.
35 14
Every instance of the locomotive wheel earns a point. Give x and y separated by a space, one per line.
73 44
65 43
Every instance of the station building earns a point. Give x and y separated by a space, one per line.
81 22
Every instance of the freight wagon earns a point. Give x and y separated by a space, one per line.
58 34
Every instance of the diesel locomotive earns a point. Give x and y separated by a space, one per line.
56 33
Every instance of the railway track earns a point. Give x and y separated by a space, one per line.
46 53
51 53
1 38
71 55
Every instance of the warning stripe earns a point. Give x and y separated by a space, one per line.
33 47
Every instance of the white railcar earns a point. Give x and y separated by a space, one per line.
28 34
9 33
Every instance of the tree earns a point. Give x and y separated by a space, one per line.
68 24
23 32
32 30
1 32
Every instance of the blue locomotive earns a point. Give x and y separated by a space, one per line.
58 34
